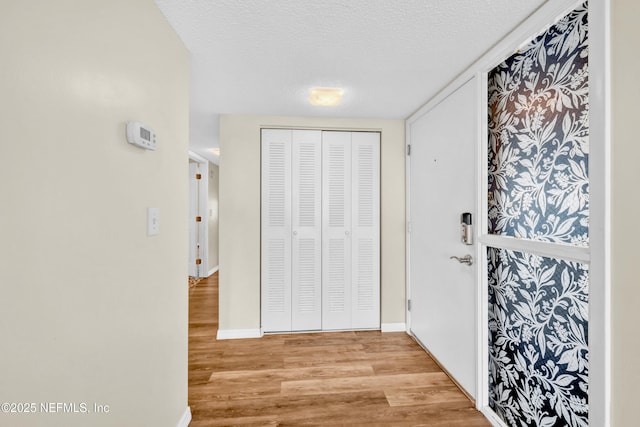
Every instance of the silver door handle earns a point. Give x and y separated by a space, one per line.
463 260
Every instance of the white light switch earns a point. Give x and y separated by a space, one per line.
153 221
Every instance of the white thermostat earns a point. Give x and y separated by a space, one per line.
141 135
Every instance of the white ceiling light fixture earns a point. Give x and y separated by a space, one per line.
326 96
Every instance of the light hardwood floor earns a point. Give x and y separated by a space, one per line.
338 378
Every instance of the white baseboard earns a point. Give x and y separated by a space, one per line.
213 270
492 417
186 418
393 327
232 334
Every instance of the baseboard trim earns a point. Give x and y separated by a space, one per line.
233 334
393 327
493 418
213 270
186 418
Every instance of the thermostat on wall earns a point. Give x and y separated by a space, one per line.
141 135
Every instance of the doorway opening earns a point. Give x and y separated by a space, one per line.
198 217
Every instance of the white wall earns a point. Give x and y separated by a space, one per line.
240 213
92 310
625 211
214 179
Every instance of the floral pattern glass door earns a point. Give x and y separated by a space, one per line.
538 182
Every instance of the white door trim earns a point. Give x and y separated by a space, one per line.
203 208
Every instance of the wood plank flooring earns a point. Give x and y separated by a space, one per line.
341 378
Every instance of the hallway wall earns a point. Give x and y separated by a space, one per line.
92 309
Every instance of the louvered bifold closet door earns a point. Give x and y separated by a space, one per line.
276 230
307 230
365 230
336 230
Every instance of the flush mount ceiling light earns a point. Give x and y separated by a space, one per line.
325 96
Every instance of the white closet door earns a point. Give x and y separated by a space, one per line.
336 239
307 230
365 230
276 230
320 230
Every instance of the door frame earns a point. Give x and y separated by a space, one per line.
203 207
598 255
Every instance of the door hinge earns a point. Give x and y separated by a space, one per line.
408 305
198 219
409 227
198 261
408 149
198 176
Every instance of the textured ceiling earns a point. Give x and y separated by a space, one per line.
390 56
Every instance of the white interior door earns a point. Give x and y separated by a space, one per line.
276 230
365 230
442 187
336 230
320 230
351 230
306 219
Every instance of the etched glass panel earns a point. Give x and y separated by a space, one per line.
539 137
538 330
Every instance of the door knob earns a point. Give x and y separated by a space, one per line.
463 260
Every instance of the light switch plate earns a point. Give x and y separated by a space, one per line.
153 221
